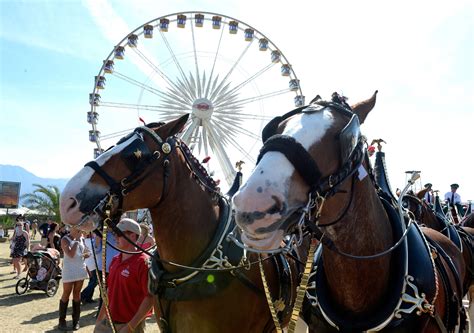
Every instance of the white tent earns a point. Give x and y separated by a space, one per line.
19 211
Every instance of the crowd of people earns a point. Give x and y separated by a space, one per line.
452 199
126 274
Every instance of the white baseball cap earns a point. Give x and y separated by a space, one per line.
127 224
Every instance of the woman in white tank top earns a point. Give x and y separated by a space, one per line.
73 275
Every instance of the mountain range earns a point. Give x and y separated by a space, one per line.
13 173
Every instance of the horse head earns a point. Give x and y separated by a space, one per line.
310 151
111 184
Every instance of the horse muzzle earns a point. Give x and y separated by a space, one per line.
267 241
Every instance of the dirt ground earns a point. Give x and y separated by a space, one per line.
34 312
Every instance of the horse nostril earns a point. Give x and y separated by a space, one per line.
277 207
73 204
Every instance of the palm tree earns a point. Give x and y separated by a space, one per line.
44 199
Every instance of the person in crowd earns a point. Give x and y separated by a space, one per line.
88 292
398 192
428 198
128 297
454 199
26 223
109 255
20 243
73 275
34 228
63 230
54 239
44 230
145 240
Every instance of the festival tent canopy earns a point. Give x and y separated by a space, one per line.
20 211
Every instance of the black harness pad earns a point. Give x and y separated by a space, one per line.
415 250
135 154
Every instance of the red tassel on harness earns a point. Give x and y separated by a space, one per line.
143 121
206 159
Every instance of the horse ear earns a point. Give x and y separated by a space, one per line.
420 195
173 127
363 108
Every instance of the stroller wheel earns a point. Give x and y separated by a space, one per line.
22 286
52 288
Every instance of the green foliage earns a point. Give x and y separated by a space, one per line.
44 199
7 221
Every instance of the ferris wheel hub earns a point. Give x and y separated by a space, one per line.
202 108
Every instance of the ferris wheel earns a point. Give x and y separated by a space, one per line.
227 75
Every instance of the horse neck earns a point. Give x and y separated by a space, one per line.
364 230
430 220
185 222
468 221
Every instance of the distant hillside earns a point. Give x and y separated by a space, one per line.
13 173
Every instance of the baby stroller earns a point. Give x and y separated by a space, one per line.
43 273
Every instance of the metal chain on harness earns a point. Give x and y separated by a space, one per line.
317 203
103 284
268 296
301 291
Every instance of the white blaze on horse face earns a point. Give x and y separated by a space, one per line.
69 205
269 184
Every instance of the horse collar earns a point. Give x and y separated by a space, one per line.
411 287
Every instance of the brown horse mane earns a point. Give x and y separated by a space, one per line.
421 194
468 221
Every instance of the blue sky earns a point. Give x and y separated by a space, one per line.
418 54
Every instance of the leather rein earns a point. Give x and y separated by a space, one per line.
322 188
119 189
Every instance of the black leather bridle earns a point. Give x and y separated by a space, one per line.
351 144
139 159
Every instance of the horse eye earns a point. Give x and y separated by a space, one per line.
405 204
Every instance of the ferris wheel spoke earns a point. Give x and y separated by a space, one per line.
129 106
170 94
205 124
218 88
184 90
195 137
188 132
175 108
236 127
175 59
225 95
251 78
230 140
256 98
222 95
214 63
138 84
154 67
196 64
231 114
219 149
112 135
242 150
